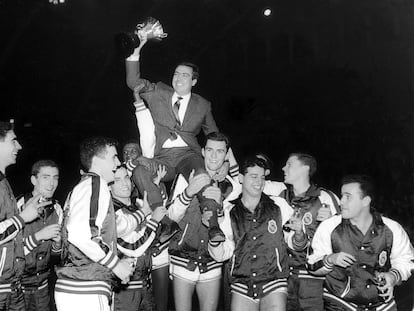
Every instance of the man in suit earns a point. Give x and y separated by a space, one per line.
178 116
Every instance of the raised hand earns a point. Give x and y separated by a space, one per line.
31 208
161 172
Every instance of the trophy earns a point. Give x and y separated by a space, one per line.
151 29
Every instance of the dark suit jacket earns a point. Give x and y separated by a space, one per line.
158 97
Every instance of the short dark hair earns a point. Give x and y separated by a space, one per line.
266 159
252 161
194 67
366 184
308 160
42 163
94 146
218 136
5 127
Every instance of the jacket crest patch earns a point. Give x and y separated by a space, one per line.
272 226
382 259
307 218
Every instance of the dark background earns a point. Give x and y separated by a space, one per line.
330 77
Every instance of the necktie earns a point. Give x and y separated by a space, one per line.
176 108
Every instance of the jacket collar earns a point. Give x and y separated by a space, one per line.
312 192
119 205
377 221
264 199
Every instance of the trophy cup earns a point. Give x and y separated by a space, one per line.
151 29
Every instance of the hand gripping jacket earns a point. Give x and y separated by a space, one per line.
385 247
189 248
38 253
308 206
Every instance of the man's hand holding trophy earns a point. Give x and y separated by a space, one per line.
150 29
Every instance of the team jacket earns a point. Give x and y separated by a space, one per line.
255 242
134 242
307 206
189 247
89 251
11 237
38 253
385 247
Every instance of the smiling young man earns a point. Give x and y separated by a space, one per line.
11 224
362 254
255 242
41 236
192 267
89 234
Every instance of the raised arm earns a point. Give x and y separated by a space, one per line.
133 72
145 125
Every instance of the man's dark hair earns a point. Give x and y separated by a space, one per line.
94 146
266 159
5 127
366 184
42 163
194 67
217 136
308 160
252 161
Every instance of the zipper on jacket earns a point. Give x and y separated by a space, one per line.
347 287
232 264
277 260
3 260
182 237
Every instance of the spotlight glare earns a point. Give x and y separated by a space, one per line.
267 12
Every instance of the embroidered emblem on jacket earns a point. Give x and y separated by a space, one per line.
307 218
382 259
272 226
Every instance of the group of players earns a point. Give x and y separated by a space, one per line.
220 230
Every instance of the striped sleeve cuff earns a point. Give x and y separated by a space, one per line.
139 216
30 243
133 58
214 244
299 244
152 224
130 166
110 260
397 275
234 171
139 106
327 264
184 198
18 222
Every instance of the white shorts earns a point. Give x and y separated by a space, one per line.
257 300
161 260
194 276
70 302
